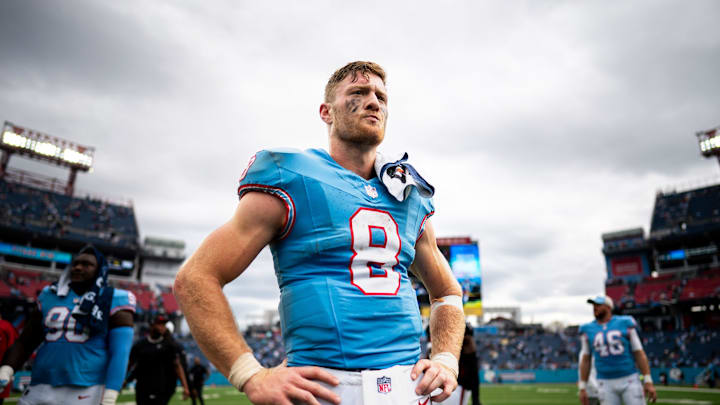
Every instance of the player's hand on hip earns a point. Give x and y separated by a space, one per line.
288 385
650 392
434 375
583 397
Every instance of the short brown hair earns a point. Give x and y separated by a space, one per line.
352 68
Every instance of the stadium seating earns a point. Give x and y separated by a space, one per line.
53 214
21 283
617 292
654 290
688 348
689 211
701 288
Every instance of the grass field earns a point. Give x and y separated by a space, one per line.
516 394
513 394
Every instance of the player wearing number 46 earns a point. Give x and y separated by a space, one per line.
344 229
84 329
615 347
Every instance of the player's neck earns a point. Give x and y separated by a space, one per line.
81 288
359 159
604 320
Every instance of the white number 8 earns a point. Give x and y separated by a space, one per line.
371 256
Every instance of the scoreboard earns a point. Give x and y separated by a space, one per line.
463 255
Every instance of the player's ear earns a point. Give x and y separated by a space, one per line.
325 113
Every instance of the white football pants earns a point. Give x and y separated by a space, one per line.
626 390
44 394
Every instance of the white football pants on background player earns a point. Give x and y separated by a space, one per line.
626 390
45 394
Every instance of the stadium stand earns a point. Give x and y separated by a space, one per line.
686 212
52 214
653 290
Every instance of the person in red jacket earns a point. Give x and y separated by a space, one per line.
8 334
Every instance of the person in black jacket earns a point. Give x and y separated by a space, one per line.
155 364
469 377
198 375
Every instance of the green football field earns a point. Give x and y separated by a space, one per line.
514 394
520 394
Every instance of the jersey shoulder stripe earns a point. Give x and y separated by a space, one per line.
122 300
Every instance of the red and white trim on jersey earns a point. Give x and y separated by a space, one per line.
282 195
130 308
422 225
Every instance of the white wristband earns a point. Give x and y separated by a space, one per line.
244 367
582 385
109 397
6 373
454 300
448 360
647 378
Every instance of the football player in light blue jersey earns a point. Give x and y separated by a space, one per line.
615 347
342 242
84 329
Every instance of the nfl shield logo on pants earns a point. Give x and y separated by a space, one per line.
384 385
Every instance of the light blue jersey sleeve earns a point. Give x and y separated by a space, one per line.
264 175
427 209
122 300
43 297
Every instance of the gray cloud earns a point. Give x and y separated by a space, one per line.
542 125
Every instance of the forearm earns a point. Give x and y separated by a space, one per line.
585 368
120 340
181 374
642 362
30 338
210 319
20 352
447 327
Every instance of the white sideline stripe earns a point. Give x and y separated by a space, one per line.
688 389
683 401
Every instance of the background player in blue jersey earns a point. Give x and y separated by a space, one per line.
84 329
615 347
342 245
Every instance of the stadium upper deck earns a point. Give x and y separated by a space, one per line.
670 279
54 215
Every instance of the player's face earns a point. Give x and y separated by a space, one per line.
83 268
359 111
600 311
158 328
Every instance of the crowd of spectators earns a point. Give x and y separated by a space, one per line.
526 349
665 289
695 347
61 216
689 211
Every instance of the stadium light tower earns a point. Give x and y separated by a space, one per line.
40 146
709 141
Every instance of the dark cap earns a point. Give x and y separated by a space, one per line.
160 318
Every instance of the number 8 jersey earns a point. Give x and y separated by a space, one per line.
341 261
611 344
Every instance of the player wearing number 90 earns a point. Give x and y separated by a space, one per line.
342 246
84 330
614 344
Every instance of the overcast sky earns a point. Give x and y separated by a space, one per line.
541 124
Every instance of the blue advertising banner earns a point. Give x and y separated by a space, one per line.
35 253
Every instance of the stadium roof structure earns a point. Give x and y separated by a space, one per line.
709 142
40 146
